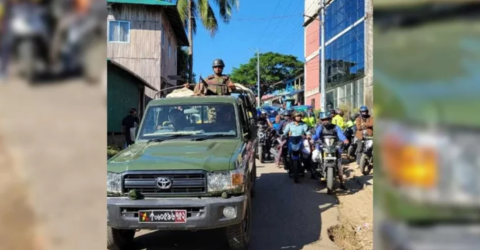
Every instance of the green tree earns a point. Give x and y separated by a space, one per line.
274 67
190 11
183 66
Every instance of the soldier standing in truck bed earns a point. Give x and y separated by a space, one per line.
219 78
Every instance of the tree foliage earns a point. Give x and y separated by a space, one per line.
274 67
182 64
202 10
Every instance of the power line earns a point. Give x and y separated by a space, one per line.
268 25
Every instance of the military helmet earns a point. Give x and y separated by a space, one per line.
218 62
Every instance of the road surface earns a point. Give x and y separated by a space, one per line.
285 216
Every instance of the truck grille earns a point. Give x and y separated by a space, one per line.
189 182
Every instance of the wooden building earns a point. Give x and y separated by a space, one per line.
143 36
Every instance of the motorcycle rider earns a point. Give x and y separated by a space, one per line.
363 123
338 119
310 118
295 128
287 116
351 122
263 119
329 129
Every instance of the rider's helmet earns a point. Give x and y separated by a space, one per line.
297 113
287 113
218 63
363 111
354 117
325 115
263 112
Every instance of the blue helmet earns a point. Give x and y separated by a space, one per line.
325 115
363 109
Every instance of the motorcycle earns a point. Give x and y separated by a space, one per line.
31 37
262 143
352 146
328 160
294 158
366 159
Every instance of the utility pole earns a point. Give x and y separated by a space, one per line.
322 57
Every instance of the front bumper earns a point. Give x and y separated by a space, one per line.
202 213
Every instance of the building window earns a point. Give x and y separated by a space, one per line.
331 98
341 14
345 57
118 31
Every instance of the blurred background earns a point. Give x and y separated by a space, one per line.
52 124
426 95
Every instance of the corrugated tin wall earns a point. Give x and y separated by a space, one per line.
123 94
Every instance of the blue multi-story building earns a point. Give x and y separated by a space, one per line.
348 53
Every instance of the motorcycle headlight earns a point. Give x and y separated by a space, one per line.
328 141
369 143
114 183
225 180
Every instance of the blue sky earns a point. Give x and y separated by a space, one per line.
268 25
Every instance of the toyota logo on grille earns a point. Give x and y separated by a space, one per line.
164 183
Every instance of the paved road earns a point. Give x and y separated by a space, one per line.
285 216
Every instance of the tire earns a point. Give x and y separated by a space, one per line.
364 165
261 154
349 152
238 236
118 239
27 59
295 170
330 180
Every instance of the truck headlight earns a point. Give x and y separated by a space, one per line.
224 180
114 183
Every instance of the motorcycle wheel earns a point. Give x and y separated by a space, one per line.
350 152
364 165
295 171
330 179
261 155
27 59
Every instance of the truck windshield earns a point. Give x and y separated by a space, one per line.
205 119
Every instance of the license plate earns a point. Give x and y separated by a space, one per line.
162 216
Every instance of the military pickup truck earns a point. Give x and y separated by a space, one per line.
192 167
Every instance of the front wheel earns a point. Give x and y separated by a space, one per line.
27 59
238 236
119 239
350 152
295 170
261 154
365 165
330 179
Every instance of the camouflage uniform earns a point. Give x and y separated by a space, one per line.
220 90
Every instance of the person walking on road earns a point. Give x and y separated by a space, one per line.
129 122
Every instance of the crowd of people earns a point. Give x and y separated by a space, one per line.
292 123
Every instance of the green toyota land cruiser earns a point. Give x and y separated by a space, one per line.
192 167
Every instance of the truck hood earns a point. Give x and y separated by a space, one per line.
209 155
